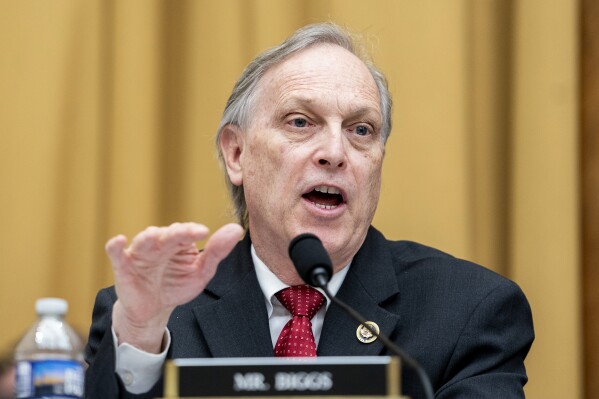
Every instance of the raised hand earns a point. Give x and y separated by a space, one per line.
160 270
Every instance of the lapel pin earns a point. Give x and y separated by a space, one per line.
364 335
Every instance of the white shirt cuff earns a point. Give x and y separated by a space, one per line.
139 370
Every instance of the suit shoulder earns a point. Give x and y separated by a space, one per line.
414 261
412 251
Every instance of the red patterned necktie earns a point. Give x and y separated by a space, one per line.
297 338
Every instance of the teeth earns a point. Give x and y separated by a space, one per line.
327 190
325 206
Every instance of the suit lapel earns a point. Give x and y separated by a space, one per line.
232 315
370 282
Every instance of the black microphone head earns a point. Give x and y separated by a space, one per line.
311 259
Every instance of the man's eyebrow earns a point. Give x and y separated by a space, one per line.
295 101
310 103
366 111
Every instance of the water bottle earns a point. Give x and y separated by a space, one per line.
49 358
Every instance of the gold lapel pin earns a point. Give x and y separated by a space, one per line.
364 335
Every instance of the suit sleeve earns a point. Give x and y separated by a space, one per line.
488 360
101 380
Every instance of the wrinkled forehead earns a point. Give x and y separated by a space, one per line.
321 70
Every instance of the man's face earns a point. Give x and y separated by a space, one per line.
311 159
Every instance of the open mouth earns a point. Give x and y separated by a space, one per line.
325 197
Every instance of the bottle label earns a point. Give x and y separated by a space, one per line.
49 379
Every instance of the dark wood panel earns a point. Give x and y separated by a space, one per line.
589 92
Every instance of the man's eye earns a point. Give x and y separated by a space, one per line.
299 122
362 130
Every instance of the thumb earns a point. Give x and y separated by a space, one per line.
115 248
220 244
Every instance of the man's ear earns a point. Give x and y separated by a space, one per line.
231 145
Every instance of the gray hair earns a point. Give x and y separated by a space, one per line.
240 104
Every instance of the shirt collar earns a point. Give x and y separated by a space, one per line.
270 283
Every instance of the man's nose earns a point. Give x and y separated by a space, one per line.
332 150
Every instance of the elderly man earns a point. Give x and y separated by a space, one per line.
302 140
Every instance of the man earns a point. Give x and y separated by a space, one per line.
302 140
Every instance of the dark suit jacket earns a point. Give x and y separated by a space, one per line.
468 327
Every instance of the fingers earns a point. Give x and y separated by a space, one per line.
167 241
186 256
175 244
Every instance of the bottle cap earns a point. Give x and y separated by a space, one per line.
51 306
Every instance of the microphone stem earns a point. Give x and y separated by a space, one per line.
405 358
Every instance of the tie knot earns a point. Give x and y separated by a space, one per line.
301 300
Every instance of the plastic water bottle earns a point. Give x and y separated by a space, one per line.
49 358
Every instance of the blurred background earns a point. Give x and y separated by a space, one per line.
108 111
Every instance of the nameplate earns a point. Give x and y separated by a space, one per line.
321 376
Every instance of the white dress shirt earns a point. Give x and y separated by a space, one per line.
140 370
278 316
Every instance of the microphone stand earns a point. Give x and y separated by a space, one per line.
322 282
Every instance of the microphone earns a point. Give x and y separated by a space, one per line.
311 260
313 264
